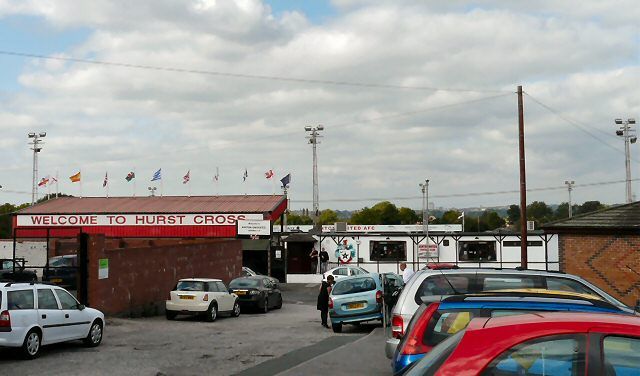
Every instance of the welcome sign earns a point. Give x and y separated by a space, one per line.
62 220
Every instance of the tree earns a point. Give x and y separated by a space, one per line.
590 206
388 213
513 214
294 219
328 217
450 216
408 216
366 216
539 211
492 220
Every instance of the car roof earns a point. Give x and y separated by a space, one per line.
577 321
22 285
492 270
199 280
348 278
252 277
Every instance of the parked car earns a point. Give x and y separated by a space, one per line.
257 292
354 300
473 280
344 271
248 272
62 271
440 317
393 285
34 314
201 296
556 343
14 270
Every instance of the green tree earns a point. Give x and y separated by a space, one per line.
492 220
388 213
450 216
590 206
408 216
539 211
366 216
513 214
328 217
294 219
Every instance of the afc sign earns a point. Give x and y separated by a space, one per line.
62 220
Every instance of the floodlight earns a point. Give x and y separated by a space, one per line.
43 134
618 121
619 132
633 139
32 135
320 127
308 129
631 121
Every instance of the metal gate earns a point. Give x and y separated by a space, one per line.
54 256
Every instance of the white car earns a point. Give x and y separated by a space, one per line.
248 272
201 296
34 314
344 271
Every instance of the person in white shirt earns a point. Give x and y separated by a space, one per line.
407 273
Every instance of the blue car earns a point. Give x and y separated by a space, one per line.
440 317
355 299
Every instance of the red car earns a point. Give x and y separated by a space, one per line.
558 343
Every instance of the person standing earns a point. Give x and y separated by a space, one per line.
324 260
323 300
314 260
407 273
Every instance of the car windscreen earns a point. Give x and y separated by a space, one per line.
429 365
60 262
354 285
190 286
244 283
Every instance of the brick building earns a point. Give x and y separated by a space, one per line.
604 248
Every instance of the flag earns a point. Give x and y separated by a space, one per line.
216 177
157 175
245 175
43 182
75 178
185 179
461 215
130 176
269 174
106 180
53 181
286 180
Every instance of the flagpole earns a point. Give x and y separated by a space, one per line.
161 189
273 182
217 181
189 182
106 178
57 179
80 172
134 181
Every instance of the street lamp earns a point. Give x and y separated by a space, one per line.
37 148
570 188
314 134
628 134
424 187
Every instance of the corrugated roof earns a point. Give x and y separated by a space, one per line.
166 204
623 217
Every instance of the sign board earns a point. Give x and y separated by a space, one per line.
62 220
425 252
392 228
103 268
531 225
254 228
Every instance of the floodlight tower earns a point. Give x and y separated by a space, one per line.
314 134
570 184
37 148
628 134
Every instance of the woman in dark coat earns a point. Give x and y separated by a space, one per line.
323 300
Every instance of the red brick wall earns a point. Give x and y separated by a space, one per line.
141 278
603 261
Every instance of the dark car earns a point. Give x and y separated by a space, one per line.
392 286
62 271
13 270
257 292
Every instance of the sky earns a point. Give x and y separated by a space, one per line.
405 90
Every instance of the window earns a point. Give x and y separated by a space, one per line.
388 251
46 300
20 299
190 286
445 242
558 356
341 271
495 282
442 325
477 251
353 286
356 271
267 283
241 283
440 285
221 287
66 300
430 364
621 356
565 284
516 243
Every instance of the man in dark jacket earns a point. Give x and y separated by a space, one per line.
323 300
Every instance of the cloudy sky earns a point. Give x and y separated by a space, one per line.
406 90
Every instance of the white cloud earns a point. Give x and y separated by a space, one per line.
583 62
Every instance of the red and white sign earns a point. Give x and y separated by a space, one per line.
62 220
425 251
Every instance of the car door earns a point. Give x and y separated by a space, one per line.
225 300
269 290
20 304
50 316
76 322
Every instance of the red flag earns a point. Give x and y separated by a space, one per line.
186 178
43 182
269 174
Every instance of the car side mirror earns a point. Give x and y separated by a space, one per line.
638 306
81 307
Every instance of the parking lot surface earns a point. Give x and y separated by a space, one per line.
189 346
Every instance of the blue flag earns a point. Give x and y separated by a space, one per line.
285 181
157 175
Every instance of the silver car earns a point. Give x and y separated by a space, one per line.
471 280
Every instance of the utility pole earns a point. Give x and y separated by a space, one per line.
628 134
425 214
36 147
523 184
314 134
570 188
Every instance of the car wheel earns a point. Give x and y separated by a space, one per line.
212 312
236 309
337 328
31 344
265 309
95 334
279 305
171 315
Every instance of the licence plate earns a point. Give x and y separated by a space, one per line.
187 297
240 292
355 305
56 280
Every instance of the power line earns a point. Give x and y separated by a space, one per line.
244 75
